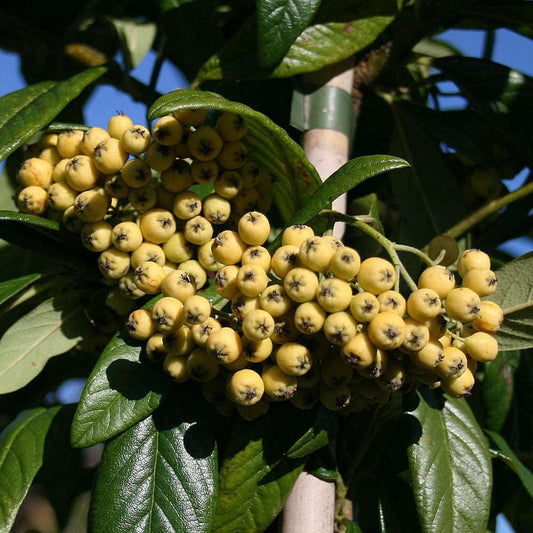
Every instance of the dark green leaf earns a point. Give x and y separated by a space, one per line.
296 180
450 467
497 388
347 177
279 22
122 389
319 434
322 465
515 296
25 112
11 287
317 46
50 329
30 220
256 475
159 475
352 527
503 451
421 190
21 456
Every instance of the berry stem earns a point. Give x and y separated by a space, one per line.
415 251
483 212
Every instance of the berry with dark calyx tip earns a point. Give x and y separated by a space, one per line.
113 263
345 263
126 236
256 351
340 328
359 352
376 275
277 384
167 131
167 314
423 304
33 199
315 253
392 301
460 386
394 377
201 366
118 124
309 318
231 127
258 325
225 345
176 367
490 317
205 143
201 332
157 225
254 228
148 251
295 235
148 277
437 278
334 294
300 284
228 247
160 157
481 347
481 281
196 310
139 324
179 341
429 356
232 156
109 156
285 259
178 284
387 330
462 304
155 348
453 363
257 255
294 359
336 398
364 307
136 139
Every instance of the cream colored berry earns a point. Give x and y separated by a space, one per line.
336 244
69 143
481 347
315 253
251 280
61 196
232 156
274 301
334 294
155 348
251 174
359 352
157 225
228 184
198 230
226 281
175 366
177 249
336 398
437 278
35 172
378 367
258 325
33 199
136 139
126 236
284 259
364 306
71 221
81 173
300 284
453 363
294 359
423 304
228 247
462 304
216 209
416 335
167 131
489 318
254 228
481 281
177 178
91 138
178 284
201 332
258 256
387 330
394 377
196 310
204 172
461 386
392 301
136 173
295 235
187 205
242 305
334 372
256 351
109 156
278 385
167 314
309 318
118 124
191 117
206 257
148 251
376 275
92 205
225 344
179 341
245 387
345 263
472 259
113 263
96 236
59 171
160 157
148 277
50 155
231 127
340 328
202 366
195 269
115 187
143 199
205 143
139 324
128 287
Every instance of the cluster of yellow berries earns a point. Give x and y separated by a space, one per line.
309 323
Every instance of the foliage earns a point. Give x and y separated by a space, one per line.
422 464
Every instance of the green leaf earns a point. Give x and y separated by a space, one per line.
25 112
346 178
316 47
421 190
435 48
450 467
21 456
497 388
30 220
159 475
122 389
296 179
52 328
11 287
319 434
279 22
136 39
514 294
257 475
503 451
